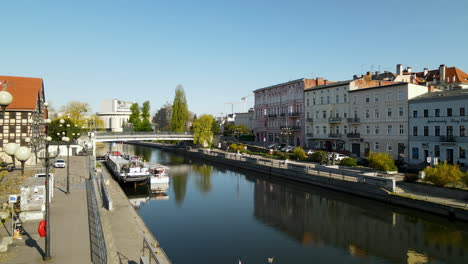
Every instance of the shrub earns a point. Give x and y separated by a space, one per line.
443 174
465 179
233 147
381 161
319 156
351 162
410 177
240 148
299 153
280 155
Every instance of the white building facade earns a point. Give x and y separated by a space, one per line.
379 119
438 123
115 114
246 119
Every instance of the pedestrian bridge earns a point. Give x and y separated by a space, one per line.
141 136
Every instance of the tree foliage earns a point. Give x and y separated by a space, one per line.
95 122
319 156
202 130
299 153
443 174
179 111
162 118
135 115
381 161
232 130
56 130
76 112
351 162
145 123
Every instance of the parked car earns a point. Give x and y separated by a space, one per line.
60 163
309 152
338 156
287 148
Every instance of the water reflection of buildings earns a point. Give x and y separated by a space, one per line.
362 229
142 193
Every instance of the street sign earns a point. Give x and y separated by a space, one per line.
428 159
13 198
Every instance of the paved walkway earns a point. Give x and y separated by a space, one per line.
68 219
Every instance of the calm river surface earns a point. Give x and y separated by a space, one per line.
216 214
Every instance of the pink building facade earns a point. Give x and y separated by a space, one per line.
279 112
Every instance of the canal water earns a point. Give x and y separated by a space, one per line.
215 214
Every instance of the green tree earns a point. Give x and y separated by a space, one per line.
216 130
76 112
202 133
319 156
95 122
443 174
381 161
351 162
179 111
299 153
145 124
465 179
56 130
235 130
135 116
162 118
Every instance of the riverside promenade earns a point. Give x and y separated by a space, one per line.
68 220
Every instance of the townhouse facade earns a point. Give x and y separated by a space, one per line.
279 112
379 119
20 119
438 123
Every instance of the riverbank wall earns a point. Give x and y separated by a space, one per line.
353 188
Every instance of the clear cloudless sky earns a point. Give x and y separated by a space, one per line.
218 50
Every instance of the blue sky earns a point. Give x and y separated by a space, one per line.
219 51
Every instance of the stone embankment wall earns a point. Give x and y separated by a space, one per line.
354 188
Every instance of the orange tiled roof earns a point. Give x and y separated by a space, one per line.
25 92
453 74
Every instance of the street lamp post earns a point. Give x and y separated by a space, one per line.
67 141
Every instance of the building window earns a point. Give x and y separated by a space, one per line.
389 112
389 146
24 129
437 131
368 130
449 111
402 130
426 113
426 131
321 99
462 152
328 99
376 113
376 145
400 95
376 99
367 99
308 100
345 98
389 96
437 112
313 101
436 151
389 129
415 131
24 115
317 130
462 111
345 130
415 153
337 99
324 130
462 131
324 114
415 114
400 110
377 130
356 99
367 113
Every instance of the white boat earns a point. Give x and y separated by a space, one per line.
159 181
128 168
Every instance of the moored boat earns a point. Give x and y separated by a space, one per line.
128 168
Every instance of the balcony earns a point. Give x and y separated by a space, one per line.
354 120
450 138
334 120
309 134
332 135
353 135
294 114
272 115
282 114
310 119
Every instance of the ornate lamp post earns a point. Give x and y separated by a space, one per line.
22 154
67 141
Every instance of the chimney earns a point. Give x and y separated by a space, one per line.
355 77
442 73
409 69
377 73
426 71
399 69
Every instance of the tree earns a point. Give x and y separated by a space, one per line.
351 162
145 124
216 130
300 153
443 174
75 111
162 118
56 129
235 130
135 115
179 111
319 156
381 161
95 122
202 133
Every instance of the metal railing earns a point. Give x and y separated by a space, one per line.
294 114
332 135
447 138
334 119
353 135
310 119
96 233
354 120
151 250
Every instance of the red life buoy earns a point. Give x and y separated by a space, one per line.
42 228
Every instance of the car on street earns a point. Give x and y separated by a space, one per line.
287 148
60 163
309 152
338 156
